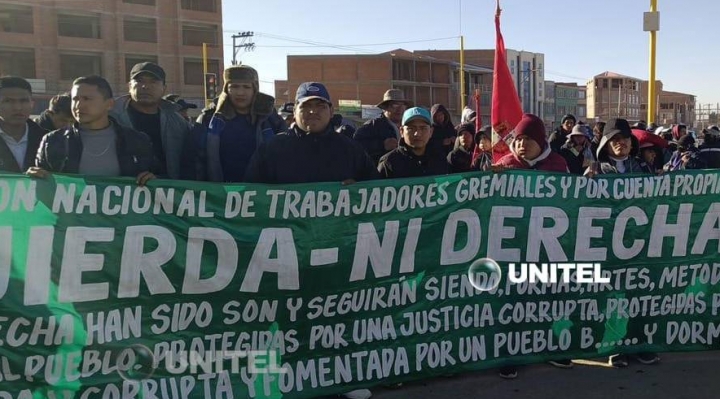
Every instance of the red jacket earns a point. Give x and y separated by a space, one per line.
550 161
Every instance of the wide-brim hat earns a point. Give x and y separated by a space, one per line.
394 95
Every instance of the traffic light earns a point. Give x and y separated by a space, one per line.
210 86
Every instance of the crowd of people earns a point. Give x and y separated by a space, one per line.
242 137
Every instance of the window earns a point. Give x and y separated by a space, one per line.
143 2
402 70
132 59
17 63
140 30
193 70
604 83
616 83
581 94
76 65
199 5
196 35
16 19
79 26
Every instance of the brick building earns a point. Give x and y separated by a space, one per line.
526 68
672 107
53 42
612 95
364 78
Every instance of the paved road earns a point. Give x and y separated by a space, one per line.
679 376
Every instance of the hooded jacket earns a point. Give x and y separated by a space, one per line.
460 158
574 158
299 157
8 163
177 138
60 151
443 131
609 166
266 121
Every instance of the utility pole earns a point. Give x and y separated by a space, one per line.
245 43
651 23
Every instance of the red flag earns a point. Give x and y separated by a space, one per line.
506 109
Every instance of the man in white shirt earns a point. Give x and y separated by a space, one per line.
19 136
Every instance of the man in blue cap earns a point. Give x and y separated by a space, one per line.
311 150
413 157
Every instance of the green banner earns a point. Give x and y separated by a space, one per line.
195 290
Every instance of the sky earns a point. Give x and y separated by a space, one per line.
580 38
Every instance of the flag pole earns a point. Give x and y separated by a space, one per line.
462 73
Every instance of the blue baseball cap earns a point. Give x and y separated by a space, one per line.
416 113
312 90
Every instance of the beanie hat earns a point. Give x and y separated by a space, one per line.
566 117
532 127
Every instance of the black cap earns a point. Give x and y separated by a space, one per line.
287 109
150 68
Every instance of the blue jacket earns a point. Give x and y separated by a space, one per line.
299 157
268 124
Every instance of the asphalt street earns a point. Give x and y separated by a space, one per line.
694 375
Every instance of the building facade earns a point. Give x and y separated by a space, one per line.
526 68
52 43
549 106
672 107
581 112
611 95
566 101
363 79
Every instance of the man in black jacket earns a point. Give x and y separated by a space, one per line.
310 151
414 158
19 136
96 145
559 136
708 154
382 135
